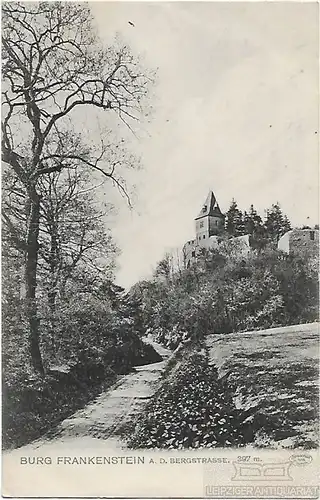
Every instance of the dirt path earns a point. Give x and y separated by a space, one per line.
101 419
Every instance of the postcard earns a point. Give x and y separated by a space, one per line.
160 249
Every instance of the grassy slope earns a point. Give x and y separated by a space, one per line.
273 375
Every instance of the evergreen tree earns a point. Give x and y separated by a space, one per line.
254 226
252 221
276 223
235 220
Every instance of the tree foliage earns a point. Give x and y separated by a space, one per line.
262 231
66 327
227 291
54 64
234 221
276 223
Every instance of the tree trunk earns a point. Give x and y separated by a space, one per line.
31 278
52 307
52 294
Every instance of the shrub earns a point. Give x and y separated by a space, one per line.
91 344
202 417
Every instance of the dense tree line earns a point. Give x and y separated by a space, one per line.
263 231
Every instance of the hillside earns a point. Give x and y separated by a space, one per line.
273 374
255 388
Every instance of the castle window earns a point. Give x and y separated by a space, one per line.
201 223
204 236
312 235
193 253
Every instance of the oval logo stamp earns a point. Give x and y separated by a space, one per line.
301 460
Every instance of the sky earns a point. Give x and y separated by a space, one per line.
235 111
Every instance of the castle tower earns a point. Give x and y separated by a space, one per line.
210 221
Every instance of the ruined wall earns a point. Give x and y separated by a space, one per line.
239 245
304 242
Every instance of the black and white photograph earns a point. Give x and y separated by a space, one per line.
160 249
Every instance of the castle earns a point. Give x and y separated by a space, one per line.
209 225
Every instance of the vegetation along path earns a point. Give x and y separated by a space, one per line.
101 419
277 400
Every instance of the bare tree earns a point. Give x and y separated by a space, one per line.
53 64
73 230
74 234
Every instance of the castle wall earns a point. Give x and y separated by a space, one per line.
189 252
192 249
243 243
202 229
300 241
284 242
216 225
208 226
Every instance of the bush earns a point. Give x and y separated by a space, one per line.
91 344
33 407
202 417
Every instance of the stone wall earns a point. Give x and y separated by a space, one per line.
192 249
300 241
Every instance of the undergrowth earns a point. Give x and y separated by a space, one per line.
192 409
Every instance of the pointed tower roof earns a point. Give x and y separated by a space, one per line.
210 207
